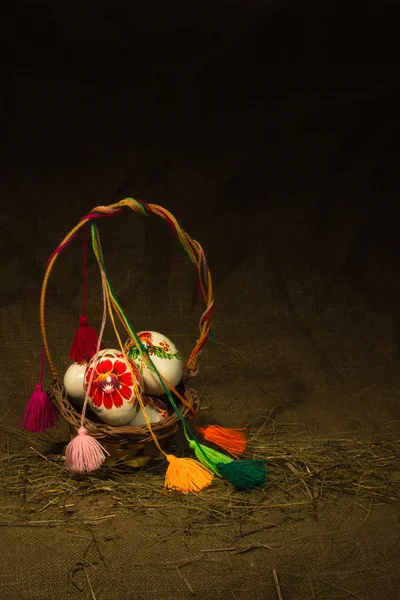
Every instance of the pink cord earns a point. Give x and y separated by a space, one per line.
103 324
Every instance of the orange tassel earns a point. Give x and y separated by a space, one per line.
232 441
186 475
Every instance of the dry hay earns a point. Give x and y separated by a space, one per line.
37 490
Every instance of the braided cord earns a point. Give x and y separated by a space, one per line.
113 304
191 247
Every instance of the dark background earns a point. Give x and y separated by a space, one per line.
270 130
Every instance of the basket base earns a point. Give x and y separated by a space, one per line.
132 454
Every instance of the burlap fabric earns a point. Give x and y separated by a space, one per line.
275 146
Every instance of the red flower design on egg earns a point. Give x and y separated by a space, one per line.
112 383
147 338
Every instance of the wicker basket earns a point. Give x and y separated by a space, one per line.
133 444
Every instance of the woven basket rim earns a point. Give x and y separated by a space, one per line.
117 434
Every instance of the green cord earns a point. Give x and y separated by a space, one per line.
243 474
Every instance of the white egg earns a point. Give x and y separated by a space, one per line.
74 382
112 391
166 358
155 410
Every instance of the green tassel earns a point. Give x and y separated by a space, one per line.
209 457
244 474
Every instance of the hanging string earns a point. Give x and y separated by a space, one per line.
84 453
231 440
85 274
42 362
84 343
101 333
183 474
142 350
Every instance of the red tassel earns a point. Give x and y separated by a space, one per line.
84 453
40 413
84 344
232 441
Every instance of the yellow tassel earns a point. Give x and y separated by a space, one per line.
186 475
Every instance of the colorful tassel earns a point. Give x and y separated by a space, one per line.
209 457
84 453
40 413
232 441
186 475
244 474
84 344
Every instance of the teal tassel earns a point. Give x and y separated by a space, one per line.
209 457
244 474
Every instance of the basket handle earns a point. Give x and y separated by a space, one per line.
193 249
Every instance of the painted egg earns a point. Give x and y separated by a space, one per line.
155 410
74 382
112 391
165 356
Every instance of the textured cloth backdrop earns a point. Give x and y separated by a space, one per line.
283 166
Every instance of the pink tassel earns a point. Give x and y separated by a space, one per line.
40 413
84 453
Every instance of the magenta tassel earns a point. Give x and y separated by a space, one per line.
40 413
84 453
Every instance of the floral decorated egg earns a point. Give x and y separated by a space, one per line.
165 356
112 391
155 410
74 382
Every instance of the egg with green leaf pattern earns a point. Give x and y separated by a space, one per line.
165 357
